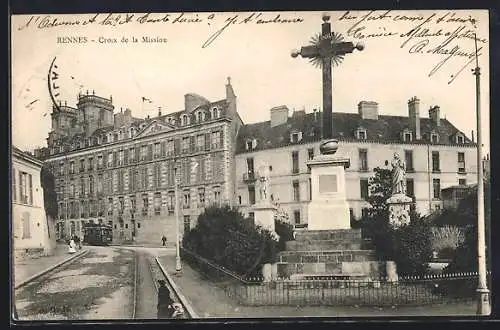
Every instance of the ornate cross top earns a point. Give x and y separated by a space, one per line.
324 49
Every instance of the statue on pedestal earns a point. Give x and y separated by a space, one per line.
264 183
398 175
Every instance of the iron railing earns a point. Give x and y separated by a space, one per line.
331 291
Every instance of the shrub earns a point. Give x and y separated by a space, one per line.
284 231
224 236
446 238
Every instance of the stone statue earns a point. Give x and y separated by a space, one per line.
398 175
264 183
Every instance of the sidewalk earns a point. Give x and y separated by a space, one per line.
210 301
27 267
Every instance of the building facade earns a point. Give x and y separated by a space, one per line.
31 229
113 168
437 155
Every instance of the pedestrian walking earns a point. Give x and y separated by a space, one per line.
164 307
164 240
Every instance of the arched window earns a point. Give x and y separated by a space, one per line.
185 120
200 116
215 112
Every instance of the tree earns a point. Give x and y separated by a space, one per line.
409 245
49 192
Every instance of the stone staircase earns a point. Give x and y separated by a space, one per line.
340 254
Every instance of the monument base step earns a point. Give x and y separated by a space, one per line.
329 277
331 234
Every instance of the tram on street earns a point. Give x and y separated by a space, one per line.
97 234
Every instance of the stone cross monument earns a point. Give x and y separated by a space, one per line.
399 203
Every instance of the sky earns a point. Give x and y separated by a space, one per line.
406 54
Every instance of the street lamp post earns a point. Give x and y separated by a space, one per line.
178 265
483 302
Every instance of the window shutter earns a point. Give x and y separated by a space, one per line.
177 146
150 151
21 192
207 142
31 189
125 157
115 156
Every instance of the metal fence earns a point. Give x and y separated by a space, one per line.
331 291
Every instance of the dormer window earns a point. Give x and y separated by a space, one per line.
215 112
184 120
460 139
132 132
115 137
407 136
361 133
434 137
104 139
200 116
250 144
295 136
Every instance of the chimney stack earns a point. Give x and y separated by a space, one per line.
279 115
159 111
414 116
368 110
434 115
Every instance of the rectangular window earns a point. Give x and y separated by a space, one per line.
131 155
91 163
185 145
363 159
363 185
201 197
72 167
30 189
120 157
217 195
157 150
296 190
82 186
82 165
145 204
157 203
110 206
310 153
215 142
410 188
409 160
436 185
61 168
121 203
434 138
133 203
91 185
144 178
295 162
186 201
251 195
200 142
23 187
296 216
435 161
121 180
170 147
110 159
99 162
187 223
462 182
461 162
171 202
144 152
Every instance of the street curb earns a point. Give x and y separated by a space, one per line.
179 293
45 271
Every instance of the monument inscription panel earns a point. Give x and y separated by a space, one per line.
327 183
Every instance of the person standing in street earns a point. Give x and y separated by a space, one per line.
164 240
164 301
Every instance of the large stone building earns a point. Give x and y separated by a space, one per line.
116 169
437 155
31 229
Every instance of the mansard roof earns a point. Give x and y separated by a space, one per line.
387 129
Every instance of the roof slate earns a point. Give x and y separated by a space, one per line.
387 129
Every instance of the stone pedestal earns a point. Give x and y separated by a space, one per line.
328 208
391 271
264 215
399 209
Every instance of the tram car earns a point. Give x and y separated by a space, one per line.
97 234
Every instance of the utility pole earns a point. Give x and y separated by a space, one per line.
483 302
178 265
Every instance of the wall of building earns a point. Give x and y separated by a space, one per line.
282 177
30 228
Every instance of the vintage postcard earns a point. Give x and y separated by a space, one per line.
250 164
